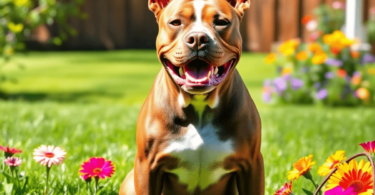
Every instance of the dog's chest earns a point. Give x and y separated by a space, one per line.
201 157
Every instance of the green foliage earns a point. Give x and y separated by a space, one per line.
329 19
18 18
88 104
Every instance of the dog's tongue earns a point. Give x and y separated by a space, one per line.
197 74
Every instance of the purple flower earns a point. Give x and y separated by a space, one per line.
322 94
280 84
267 83
368 59
357 74
329 75
296 83
266 97
333 62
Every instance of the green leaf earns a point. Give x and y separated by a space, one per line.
8 188
307 192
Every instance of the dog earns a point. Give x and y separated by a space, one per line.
199 131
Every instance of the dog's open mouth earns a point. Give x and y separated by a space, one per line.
199 73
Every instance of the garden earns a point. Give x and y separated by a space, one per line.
68 119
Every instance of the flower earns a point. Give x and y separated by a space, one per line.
13 162
280 84
329 75
48 155
306 19
368 59
338 40
271 58
301 167
369 147
356 80
332 162
315 48
335 50
9 152
333 62
339 191
341 73
16 28
21 2
287 71
267 91
355 54
301 56
322 94
319 58
363 93
314 36
338 5
371 71
97 167
296 83
289 47
312 25
353 175
285 190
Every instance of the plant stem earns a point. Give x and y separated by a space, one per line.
315 185
96 184
48 169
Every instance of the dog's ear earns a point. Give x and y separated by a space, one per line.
157 6
240 5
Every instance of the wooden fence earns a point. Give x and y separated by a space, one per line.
123 24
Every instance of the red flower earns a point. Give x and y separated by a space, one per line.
306 19
335 50
9 152
341 73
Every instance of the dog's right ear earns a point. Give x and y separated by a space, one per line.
157 6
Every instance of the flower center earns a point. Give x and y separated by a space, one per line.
97 170
49 154
357 186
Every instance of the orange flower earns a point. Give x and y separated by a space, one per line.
341 73
356 176
335 50
306 19
356 80
301 167
301 56
363 93
289 47
270 59
332 162
285 190
319 58
315 48
355 54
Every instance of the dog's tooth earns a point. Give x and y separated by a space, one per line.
216 70
181 71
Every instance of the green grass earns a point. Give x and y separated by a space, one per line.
88 103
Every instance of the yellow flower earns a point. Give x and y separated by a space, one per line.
270 59
301 167
301 55
338 40
9 51
287 71
319 58
371 71
289 47
21 2
315 48
353 175
332 162
363 93
16 28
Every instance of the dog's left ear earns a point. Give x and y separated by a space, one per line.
157 6
240 5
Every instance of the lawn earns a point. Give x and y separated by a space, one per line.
88 103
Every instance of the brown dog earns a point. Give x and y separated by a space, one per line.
199 131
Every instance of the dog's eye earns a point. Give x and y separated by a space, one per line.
221 22
175 23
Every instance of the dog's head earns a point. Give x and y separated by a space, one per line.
199 41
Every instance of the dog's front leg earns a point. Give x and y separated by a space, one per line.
250 179
147 181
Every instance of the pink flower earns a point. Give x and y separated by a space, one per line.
13 162
9 152
338 5
97 167
312 25
285 190
48 155
339 191
369 147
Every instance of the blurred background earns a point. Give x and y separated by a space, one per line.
75 73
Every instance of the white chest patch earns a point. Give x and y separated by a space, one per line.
201 156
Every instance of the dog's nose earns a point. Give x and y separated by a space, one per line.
197 40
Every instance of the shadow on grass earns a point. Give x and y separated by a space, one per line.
59 97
